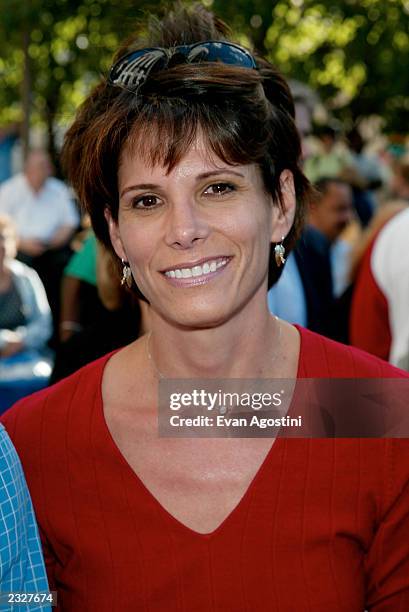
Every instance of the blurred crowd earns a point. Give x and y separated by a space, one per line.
62 303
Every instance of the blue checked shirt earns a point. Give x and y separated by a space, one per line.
21 560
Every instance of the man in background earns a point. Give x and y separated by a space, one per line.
316 272
330 213
40 206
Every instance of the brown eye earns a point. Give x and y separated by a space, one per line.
219 189
145 202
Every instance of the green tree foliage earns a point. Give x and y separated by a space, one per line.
70 44
355 54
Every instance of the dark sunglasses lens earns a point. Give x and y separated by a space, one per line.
122 64
229 54
130 70
226 53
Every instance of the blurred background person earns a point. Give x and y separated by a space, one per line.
317 272
80 303
386 314
372 299
330 213
119 316
331 158
25 323
305 102
303 294
367 166
364 175
45 217
346 160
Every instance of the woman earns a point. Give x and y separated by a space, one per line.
187 159
25 323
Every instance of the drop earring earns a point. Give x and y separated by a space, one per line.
126 274
279 252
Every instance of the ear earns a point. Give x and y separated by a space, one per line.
283 217
114 234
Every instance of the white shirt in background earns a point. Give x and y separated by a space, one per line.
390 269
38 215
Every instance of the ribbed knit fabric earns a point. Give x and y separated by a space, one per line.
323 527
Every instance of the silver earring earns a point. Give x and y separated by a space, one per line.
279 252
126 274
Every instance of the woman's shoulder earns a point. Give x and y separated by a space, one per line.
321 357
20 269
24 276
53 405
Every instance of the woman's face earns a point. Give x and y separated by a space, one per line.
197 238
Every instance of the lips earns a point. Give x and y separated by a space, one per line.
196 269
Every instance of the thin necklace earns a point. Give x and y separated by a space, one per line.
158 372
162 376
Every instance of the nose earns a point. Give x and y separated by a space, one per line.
186 225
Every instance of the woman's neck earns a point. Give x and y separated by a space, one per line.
243 347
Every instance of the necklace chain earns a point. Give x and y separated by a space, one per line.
151 359
162 376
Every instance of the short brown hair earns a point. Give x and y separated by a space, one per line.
246 115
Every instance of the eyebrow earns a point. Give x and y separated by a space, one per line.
199 177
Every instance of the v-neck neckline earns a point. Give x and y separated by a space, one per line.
275 447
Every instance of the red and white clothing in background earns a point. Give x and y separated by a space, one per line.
379 313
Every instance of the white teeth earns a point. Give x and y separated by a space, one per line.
206 268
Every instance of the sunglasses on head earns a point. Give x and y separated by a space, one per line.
132 70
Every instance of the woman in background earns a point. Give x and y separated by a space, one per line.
25 323
187 159
118 316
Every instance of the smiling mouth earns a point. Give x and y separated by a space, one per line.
208 267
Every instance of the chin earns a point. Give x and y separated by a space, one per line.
200 318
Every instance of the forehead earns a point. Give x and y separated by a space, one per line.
136 162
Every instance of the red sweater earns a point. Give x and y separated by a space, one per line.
323 527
